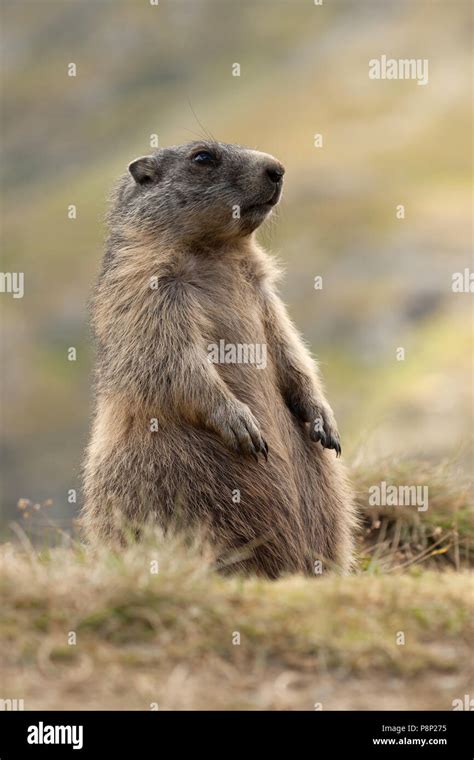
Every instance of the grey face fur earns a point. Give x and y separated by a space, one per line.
200 192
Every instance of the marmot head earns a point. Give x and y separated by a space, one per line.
199 192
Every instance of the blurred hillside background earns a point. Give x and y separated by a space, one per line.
144 70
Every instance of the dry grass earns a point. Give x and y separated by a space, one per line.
168 637
399 537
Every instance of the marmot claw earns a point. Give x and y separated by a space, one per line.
321 430
239 430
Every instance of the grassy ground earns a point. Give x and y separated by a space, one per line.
177 635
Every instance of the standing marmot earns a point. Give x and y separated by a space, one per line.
187 421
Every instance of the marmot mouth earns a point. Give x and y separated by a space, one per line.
265 205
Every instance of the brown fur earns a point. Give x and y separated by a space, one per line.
213 420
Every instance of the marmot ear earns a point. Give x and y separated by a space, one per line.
144 170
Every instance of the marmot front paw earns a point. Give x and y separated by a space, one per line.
239 429
323 428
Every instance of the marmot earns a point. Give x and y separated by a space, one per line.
184 434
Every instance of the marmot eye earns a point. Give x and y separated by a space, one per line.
203 157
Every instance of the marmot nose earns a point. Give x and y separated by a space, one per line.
275 173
